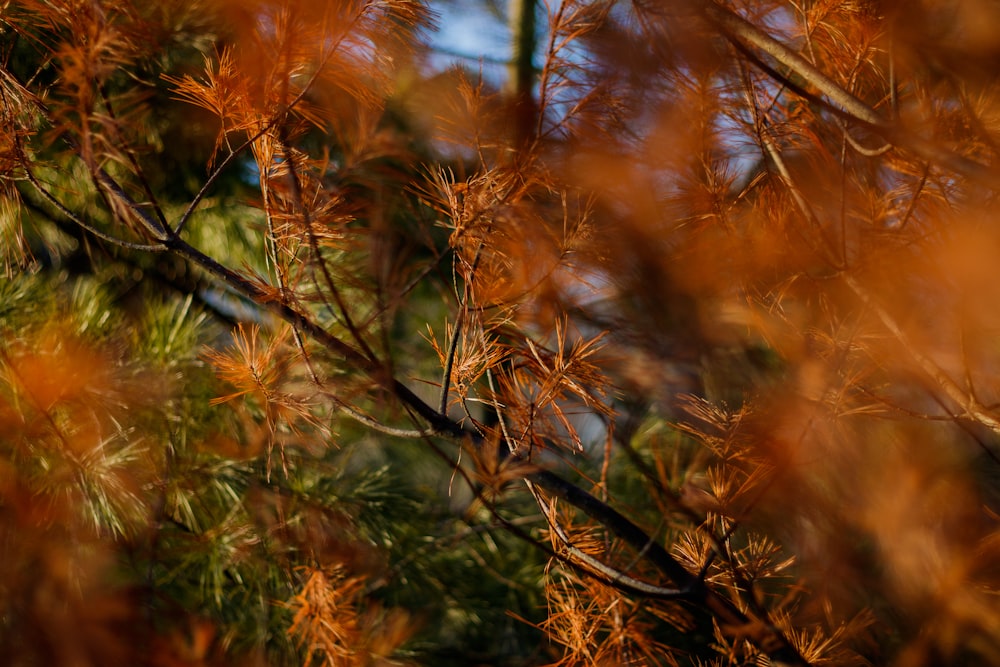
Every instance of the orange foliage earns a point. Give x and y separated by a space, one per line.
764 227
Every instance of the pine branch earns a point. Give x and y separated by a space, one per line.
766 636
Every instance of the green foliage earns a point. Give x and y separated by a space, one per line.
200 525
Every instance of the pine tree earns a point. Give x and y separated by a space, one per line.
669 343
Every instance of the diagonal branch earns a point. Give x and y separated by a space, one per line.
767 637
750 39
596 568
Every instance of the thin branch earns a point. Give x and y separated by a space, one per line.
214 176
470 529
913 200
77 220
133 160
602 571
971 407
459 323
376 425
345 315
856 145
449 363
